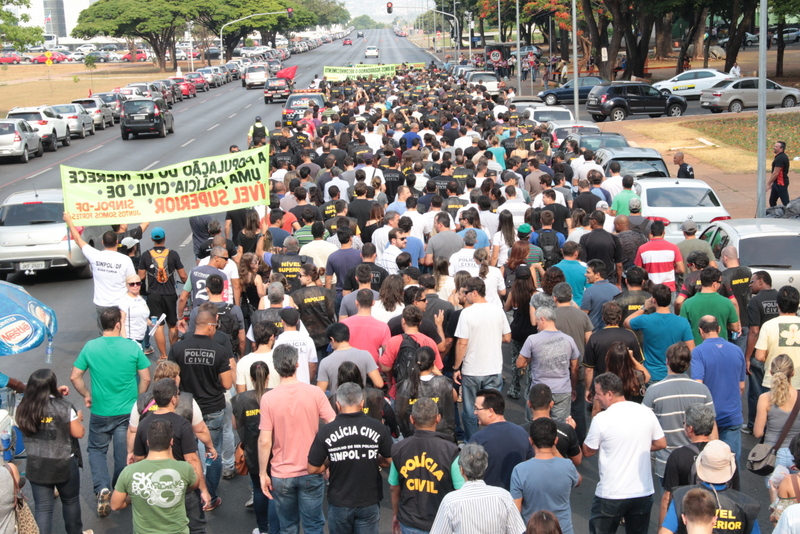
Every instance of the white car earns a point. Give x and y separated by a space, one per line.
86 48
749 40
691 82
673 201
371 51
548 114
52 127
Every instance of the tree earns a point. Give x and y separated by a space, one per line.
365 22
12 31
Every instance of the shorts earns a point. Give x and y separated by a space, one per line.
167 304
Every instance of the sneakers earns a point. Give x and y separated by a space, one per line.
249 503
104 503
228 474
513 391
747 430
213 505
149 350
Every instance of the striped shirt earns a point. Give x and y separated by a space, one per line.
669 400
658 257
478 509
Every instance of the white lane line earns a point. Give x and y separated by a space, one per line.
187 143
212 127
247 106
38 173
187 240
95 148
150 166
231 116
206 100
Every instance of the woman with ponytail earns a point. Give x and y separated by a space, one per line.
774 408
375 404
491 276
246 418
423 383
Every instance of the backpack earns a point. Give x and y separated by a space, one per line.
693 474
548 242
160 261
406 358
228 324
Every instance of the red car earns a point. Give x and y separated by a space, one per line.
187 88
12 58
141 55
198 80
56 57
347 42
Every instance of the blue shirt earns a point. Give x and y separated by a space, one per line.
399 207
602 193
535 238
575 273
417 250
483 241
278 235
507 445
527 483
720 365
593 299
660 331
408 137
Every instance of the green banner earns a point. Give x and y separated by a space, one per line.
196 187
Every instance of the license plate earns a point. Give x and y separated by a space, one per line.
32 265
139 117
592 100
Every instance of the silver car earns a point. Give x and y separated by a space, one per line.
19 140
213 78
33 236
80 121
100 111
741 93
771 245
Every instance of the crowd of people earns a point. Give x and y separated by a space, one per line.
426 258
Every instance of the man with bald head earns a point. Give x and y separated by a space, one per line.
684 169
629 239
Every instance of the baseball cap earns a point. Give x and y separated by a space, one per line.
689 226
411 272
258 119
129 242
716 463
368 156
602 205
635 205
523 271
157 233
524 229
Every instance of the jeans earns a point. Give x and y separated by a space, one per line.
470 385
411 530
754 389
266 515
228 441
343 520
299 499
215 422
70 493
578 412
102 430
562 406
606 515
732 435
741 341
195 513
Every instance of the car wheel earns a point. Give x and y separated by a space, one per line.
267 101
716 111
16 62
53 146
675 111
749 43
172 128
598 118
618 114
163 132
551 100
788 102
82 134
102 60
736 106
102 125
92 131
40 150
24 158
67 139
125 136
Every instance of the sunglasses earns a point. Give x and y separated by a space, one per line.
134 284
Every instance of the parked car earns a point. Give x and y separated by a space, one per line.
86 48
114 101
674 201
741 93
177 94
548 114
749 40
165 93
224 72
771 245
620 99
148 89
636 161
561 129
100 112
80 121
595 141
145 116
100 56
76 56
130 91
566 93
276 88
371 51
186 87
198 80
234 69
790 35
55 57
214 79
212 53
488 79
12 58
141 55
691 82
53 129
254 75
19 140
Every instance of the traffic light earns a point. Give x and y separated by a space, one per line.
388 7
290 13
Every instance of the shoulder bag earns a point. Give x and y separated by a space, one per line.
26 524
762 458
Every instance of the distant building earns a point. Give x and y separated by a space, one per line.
54 18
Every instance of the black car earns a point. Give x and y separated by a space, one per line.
360 34
297 104
595 141
177 94
145 116
233 68
620 99
212 53
275 88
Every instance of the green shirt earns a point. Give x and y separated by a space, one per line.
157 489
304 237
620 203
114 363
714 304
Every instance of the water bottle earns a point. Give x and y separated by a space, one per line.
5 442
48 352
209 461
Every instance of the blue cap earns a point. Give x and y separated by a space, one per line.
157 234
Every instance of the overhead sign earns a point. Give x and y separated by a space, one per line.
196 187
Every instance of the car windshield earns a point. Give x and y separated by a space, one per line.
26 214
88 103
778 251
178 80
561 133
194 76
259 68
64 108
107 98
643 168
547 115
723 83
139 106
603 141
26 115
7 129
679 197
303 102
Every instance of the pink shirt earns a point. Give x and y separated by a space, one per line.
390 355
292 412
658 257
367 333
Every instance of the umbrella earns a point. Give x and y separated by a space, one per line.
24 322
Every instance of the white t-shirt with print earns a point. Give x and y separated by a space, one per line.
109 271
484 326
306 351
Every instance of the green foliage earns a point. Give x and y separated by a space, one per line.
248 42
11 29
75 78
741 131
365 22
90 62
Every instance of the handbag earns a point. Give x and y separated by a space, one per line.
762 457
26 524
239 462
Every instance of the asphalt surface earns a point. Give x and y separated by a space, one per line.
208 125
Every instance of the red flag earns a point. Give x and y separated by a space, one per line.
288 73
90 91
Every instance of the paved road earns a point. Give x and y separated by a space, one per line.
205 126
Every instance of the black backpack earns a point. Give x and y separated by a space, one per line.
406 358
548 242
228 324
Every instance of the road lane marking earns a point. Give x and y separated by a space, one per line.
247 106
150 166
187 143
95 148
231 116
187 240
212 127
38 173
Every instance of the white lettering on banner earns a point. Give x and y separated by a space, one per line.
164 488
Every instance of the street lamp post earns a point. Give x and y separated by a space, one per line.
457 34
575 56
222 44
518 65
191 47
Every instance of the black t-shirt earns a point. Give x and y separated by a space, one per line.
782 161
205 248
631 301
172 265
238 219
560 216
763 307
360 208
298 210
737 280
328 210
679 468
353 443
394 179
183 440
685 171
450 332
601 245
247 412
587 201
379 274
202 361
594 355
460 175
289 266
316 306
248 243
437 388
